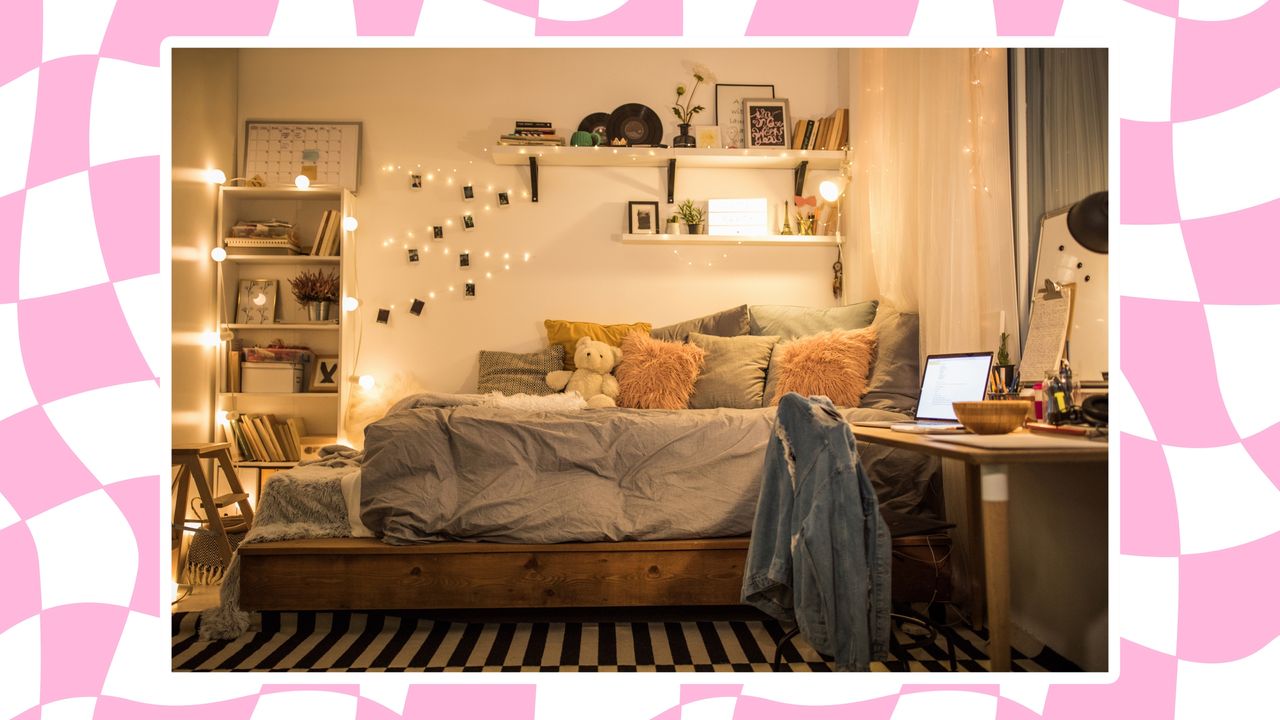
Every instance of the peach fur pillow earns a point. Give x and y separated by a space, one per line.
836 363
655 374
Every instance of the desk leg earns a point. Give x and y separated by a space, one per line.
995 536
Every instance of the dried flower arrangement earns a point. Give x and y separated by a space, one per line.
314 286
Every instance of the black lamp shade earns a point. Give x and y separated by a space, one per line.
1087 222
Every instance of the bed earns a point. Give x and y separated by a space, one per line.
490 507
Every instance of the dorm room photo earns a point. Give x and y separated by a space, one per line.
640 360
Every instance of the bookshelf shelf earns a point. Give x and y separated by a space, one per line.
279 395
283 260
330 326
776 240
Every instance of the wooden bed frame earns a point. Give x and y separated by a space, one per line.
366 574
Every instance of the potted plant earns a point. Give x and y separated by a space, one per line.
316 291
691 215
684 108
1005 371
673 225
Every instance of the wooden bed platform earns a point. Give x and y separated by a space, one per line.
365 574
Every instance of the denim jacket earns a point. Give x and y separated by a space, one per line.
819 554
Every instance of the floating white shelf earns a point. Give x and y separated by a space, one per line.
779 240
282 193
280 395
331 326
606 156
283 260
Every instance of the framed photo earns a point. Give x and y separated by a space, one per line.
767 122
437 232
325 376
384 316
416 308
327 152
504 199
729 99
642 217
468 222
468 192
256 302
707 136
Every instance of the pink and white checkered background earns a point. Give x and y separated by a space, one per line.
81 423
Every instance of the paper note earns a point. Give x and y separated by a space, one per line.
1046 336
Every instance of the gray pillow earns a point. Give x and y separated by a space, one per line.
895 377
726 323
792 321
734 371
514 373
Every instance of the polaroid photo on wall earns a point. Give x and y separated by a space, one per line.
416 308
468 222
437 232
413 256
384 316
470 289
468 192
464 260
415 181
503 199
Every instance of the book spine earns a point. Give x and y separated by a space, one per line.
807 143
533 124
251 436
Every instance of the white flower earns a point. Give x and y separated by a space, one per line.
703 73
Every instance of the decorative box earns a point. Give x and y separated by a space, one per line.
271 377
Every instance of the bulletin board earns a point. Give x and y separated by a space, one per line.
1067 262
326 152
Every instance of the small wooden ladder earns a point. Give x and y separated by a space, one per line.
188 458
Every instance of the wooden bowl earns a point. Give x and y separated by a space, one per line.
992 417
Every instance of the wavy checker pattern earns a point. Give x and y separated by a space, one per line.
1198 102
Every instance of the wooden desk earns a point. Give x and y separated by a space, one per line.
993 469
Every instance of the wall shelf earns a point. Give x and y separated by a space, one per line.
332 326
279 394
283 260
798 161
776 240
281 193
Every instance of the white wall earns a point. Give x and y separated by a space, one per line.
204 112
442 109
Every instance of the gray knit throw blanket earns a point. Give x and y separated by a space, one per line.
303 502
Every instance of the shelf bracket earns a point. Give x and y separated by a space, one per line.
533 178
800 171
671 181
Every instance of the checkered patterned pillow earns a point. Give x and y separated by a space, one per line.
515 373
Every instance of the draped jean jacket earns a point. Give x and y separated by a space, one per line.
819 554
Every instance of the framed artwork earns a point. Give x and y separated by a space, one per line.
328 153
729 99
707 136
325 377
766 122
256 302
642 217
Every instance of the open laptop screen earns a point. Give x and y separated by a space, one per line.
952 378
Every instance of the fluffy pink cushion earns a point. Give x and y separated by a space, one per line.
836 363
655 374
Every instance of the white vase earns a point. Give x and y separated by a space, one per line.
673 228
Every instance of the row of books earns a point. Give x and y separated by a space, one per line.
327 243
531 132
263 438
828 133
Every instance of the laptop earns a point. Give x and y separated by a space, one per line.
949 378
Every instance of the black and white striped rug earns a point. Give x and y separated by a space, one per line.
663 641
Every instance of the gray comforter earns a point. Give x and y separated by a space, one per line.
434 473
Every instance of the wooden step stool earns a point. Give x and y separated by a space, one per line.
188 458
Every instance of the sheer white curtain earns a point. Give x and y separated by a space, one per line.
929 200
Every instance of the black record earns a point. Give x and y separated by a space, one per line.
596 122
635 123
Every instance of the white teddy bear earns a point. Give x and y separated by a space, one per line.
592 380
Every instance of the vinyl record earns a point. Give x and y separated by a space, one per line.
636 123
597 122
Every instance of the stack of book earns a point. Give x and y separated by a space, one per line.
531 132
828 133
263 438
327 243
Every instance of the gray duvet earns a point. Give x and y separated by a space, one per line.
481 473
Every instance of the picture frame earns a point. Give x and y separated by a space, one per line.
468 222
468 192
437 232
325 376
706 136
728 106
256 301
504 199
642 217
384 316
326 151
415 309
766 123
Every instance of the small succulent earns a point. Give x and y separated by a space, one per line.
689 213
1002 355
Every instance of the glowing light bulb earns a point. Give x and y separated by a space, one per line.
366 382
218 254
302 182
215 176
830 189
212 338
349 223
221 416
350 304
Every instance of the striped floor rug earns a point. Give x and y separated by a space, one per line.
667 641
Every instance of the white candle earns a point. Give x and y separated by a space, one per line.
1002 322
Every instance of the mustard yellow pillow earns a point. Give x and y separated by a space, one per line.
565 333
